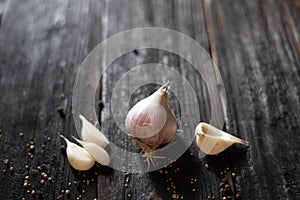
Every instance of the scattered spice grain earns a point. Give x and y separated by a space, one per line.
6 161
11 169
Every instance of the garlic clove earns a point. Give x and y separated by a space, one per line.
90 133
78 157
96 151
151 121
212 141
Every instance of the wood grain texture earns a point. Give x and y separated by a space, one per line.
42 45
259 64
254 43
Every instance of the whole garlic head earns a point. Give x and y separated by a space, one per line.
151 121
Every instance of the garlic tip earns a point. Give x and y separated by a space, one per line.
90 133
77 140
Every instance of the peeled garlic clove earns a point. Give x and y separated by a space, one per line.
213 141
90 133
151 120
97 152
78 157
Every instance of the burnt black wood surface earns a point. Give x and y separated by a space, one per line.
256 45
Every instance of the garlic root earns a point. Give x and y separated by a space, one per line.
151 122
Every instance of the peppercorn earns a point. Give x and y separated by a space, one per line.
42 182
206 166
11 169
6 161
44 167
68 192
222 191
237 196
227 187
21 134
32 147
233 174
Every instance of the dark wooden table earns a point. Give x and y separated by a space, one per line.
256 45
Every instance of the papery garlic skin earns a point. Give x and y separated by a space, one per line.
151 121
78 157
90 133
96 151
212 141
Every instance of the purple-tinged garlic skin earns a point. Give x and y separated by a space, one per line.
151 121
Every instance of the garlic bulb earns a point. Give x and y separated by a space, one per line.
151 121
97 152
90 133
213 141
78 157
